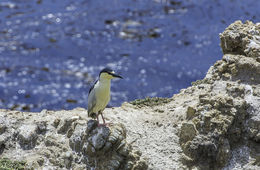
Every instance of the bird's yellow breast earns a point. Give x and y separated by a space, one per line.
102 96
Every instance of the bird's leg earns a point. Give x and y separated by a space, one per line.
104 122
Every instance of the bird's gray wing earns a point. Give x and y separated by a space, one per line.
91 88
91 102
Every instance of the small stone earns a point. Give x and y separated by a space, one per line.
70 132
41 127
188 132
257 161
27 136
190 113
224 153
44 112
65 125
141 165
234 71
50 141
67 158
186 160
3 127
77 139
91 125
257 137
99 137
40 161
125 150
56 122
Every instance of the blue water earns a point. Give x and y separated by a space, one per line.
52 50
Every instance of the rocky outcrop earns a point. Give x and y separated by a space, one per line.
226 115
105 148
214 124
64 140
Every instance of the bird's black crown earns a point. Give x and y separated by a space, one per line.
106 70
110 72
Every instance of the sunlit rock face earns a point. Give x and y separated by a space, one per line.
226 114
105 148
214 124
65 140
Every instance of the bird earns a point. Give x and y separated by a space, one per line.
99 94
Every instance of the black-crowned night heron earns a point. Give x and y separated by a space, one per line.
99 93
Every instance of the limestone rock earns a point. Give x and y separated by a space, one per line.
254 128
2 126
214 124
241 39
228 114
105 148
190 113
27 136
188 132
224 153
70 143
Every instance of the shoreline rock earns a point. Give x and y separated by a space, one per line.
62 140
214 124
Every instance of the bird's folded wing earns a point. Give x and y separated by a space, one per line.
91 103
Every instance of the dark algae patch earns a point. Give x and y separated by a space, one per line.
150 101
7 164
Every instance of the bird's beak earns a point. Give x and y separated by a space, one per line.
117 76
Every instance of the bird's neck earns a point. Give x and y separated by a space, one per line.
105 82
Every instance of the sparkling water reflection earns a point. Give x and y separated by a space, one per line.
51 51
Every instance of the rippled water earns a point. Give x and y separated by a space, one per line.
52 50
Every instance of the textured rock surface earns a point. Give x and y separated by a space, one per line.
227 105
214 124
64 140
